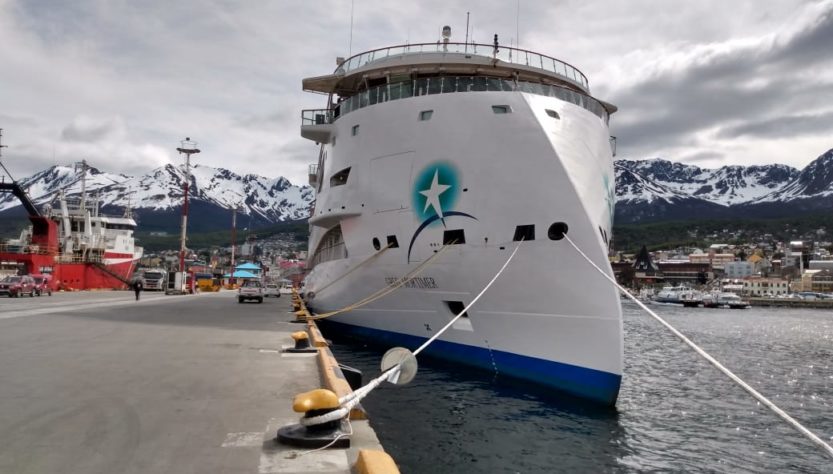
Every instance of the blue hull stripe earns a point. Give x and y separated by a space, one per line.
587 383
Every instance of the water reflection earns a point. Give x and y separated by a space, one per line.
470 421
675 411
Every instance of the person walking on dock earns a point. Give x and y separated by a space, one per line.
137 287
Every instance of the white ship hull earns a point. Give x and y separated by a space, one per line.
550 318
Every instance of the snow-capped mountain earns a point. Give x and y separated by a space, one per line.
156 197
650 190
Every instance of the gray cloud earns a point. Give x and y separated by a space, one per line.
782 127
727 86
120 83
83 129
707 156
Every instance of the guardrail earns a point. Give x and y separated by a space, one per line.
504 53
316 116
443 85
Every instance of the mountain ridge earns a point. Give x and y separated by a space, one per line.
657 189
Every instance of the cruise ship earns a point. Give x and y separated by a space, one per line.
436 161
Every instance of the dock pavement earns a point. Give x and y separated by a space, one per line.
96 382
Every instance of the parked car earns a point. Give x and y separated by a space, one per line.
271 289
43 284
14 286
250 290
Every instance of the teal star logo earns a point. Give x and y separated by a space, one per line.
435 191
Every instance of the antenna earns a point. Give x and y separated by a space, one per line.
467 31
350 48
83 165
517 27
1 156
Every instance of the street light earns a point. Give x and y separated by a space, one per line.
188 147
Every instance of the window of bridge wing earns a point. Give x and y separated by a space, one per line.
340 178
421 86
494 84
479 84
449 84
464 83
435 85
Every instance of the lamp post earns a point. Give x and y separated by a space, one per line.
188 147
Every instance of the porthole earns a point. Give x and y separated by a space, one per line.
557 231
553 114
501 109
425 115
355 130
376 244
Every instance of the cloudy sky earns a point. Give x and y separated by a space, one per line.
120 83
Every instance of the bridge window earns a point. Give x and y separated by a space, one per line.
340 178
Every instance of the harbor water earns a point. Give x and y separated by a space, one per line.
675 411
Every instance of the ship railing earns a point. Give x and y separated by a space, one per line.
504 53
316 117
28 249
75 258
450 84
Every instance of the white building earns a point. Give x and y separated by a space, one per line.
738 269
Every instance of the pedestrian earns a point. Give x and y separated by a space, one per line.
137 287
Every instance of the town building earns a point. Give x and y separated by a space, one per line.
760 286
738 270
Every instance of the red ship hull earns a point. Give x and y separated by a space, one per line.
74 276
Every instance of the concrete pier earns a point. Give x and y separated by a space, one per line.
95 382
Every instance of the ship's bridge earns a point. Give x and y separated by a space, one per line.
399 72
394 62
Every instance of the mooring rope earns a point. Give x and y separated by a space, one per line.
362 263
349 401
386 290
786 417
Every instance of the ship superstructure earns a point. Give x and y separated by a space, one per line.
469 150
71 240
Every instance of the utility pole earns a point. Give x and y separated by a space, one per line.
188 148
1 156
233 238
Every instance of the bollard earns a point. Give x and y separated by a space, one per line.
315 403
301 339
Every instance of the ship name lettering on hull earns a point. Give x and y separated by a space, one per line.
423 283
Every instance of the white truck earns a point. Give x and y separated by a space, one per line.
156 279
250 290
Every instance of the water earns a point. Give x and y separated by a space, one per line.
675 411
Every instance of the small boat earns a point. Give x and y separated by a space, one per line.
682 294
724 300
